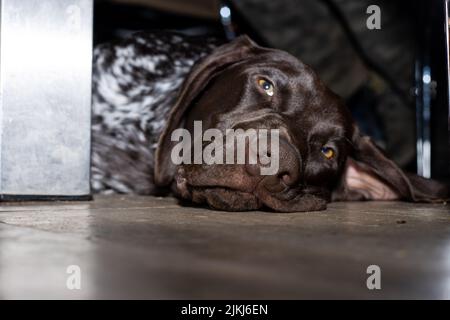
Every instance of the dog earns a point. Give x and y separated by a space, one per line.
147 86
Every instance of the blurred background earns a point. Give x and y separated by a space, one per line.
394 79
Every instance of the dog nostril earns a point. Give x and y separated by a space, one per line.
252 169
286 178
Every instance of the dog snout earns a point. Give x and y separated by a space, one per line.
289 164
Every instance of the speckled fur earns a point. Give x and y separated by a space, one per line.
135 83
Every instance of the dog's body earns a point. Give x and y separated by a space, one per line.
139 100
135 84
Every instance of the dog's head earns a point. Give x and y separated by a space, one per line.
321 153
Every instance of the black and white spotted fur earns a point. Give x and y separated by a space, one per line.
135 83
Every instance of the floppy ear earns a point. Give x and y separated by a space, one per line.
222 57
370 175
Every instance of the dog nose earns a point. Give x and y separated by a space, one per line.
289 164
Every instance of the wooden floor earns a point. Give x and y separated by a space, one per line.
145 247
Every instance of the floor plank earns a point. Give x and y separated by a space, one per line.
148 247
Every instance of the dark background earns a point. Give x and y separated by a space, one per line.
378 72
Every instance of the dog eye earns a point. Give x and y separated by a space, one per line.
267 86
328 152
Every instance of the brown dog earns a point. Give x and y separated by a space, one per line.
227 90
322 154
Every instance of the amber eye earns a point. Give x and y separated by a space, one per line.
328 152
267 86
